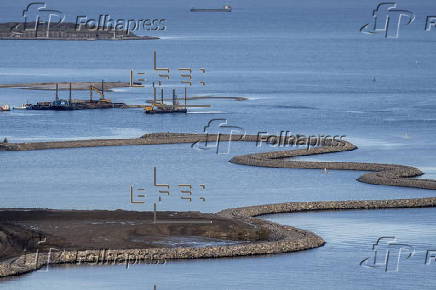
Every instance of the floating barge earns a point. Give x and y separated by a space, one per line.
162 108
70 105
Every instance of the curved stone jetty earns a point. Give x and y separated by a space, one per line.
382 174
282 239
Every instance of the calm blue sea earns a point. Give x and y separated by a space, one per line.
304 67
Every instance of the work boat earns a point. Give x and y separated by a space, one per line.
22 107
5 108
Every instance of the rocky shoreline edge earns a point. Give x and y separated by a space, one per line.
283 239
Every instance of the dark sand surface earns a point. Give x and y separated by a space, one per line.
22 230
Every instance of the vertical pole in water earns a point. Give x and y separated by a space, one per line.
131 76
161 96
154 60
69 99
154 94
185 96
102 89
57 92
174 99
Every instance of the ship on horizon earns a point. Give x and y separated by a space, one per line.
227 8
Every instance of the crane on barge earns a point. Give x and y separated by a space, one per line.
162 108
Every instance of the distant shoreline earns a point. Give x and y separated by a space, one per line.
63 31
85 39
64 86
205 98
108 86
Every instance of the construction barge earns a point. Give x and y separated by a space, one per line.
71 105
162 108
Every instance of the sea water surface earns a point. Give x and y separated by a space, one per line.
304 68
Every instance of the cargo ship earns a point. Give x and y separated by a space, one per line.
227 8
